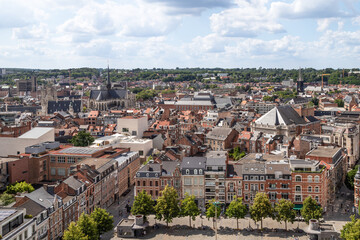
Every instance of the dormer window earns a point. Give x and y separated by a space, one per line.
187 171
195 171
200 171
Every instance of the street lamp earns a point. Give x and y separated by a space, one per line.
216 204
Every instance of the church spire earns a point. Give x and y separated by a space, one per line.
108 85
300 76
300 83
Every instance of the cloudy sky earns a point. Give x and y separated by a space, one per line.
179 33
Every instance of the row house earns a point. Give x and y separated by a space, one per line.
219 138
153 177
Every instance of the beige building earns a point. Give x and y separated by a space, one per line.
192 178
132 125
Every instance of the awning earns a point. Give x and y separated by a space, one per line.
298 206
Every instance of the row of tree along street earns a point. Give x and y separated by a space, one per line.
169 206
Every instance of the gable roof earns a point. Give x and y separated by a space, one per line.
281 115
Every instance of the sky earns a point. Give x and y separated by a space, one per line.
127 34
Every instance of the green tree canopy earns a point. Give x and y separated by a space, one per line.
311 210
349 180
82 139
189 208
143 204
88 226
19 187
6 199
104 221
74 233
351 230
261 208
236 154
339 102
285 211
236 210
167 206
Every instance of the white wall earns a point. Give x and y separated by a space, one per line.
133 124
11 146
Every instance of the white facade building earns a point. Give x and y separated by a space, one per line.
132 125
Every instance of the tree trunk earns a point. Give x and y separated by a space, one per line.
261 224
286 225
237 223
167 224
190 221
213 223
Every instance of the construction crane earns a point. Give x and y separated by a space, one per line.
322 80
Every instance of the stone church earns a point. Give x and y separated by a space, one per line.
109 97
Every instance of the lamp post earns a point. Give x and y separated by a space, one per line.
216 205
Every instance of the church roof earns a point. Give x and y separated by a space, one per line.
102 95
281 115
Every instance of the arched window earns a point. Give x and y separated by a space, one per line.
317 198
309 189
195 171
298 188
317 179
187 172
297 178
309 178
200 171
316 189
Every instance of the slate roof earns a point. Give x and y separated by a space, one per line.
42 197
102 95
73 183
193 162
285 115
63 105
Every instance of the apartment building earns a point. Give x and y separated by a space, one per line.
192 178
14 225
132 125
220 138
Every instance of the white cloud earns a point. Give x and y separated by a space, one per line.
248 19
40 31
311 9
324 23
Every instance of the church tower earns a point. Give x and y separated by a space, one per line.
300 83
357 189
108 85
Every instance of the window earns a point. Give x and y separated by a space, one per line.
125 130
239 192
187 181
201 181
297 198
284 186
316 189
298 189
272 196
200 171
52 159
61 171
309 178
138 183
262 187
151 184
162 182
134 133
156 184
317 179
71 160
61 159
53 171
309 189
151 192
246 197
261 178
297 178
195 171
156 193
187 171
285 196
169 182
272 185
246 187
317 198
141 152
195 181
246 177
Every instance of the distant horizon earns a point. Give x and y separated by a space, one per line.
146 34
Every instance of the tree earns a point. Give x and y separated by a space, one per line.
339 102
167 206
6 199
189 208
74 233
285 211
351 230
210 212
236 210
19 187
349 180
143 204
88 226
261 208
82 139
311 210
103 219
